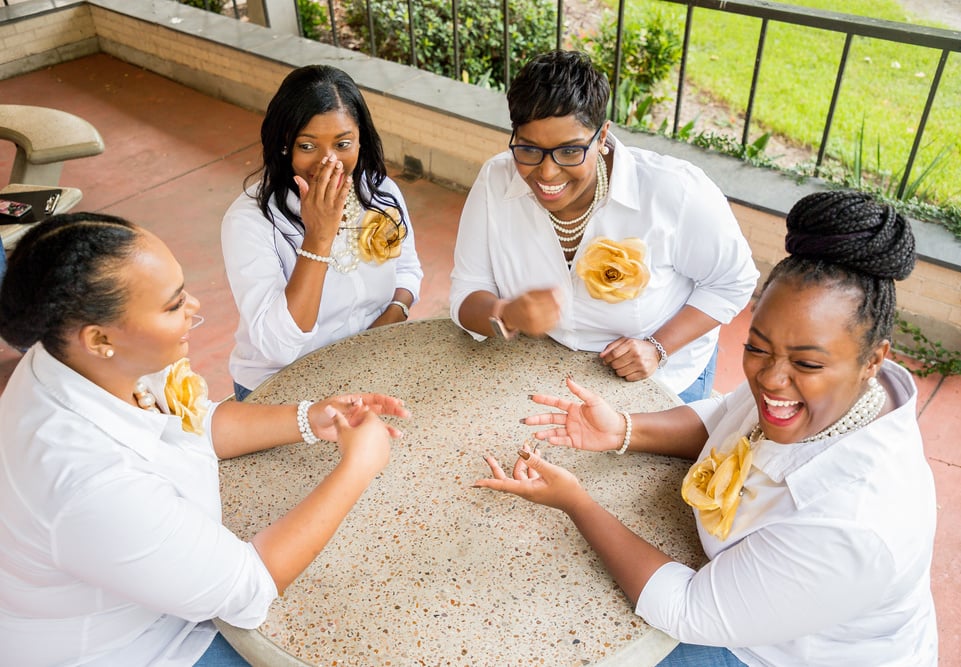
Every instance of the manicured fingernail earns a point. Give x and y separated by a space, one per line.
524 455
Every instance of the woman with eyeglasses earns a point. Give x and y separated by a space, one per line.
602 247
322 247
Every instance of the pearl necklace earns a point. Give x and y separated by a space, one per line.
565 233
347 258
862 413
145 399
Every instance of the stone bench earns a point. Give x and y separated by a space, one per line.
45 138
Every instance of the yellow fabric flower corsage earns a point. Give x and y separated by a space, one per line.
380 236
713 487
614 271
186 394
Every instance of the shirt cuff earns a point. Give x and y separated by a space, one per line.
664 591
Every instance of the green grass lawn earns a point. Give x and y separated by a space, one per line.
885 87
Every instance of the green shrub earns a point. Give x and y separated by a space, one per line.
314 21
480 34
650 49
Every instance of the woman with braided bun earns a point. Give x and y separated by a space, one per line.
113 551
603 247
813 498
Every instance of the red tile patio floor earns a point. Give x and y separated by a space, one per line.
175 159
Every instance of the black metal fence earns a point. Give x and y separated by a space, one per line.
945 41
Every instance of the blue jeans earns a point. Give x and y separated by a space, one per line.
3 262
694 655
221 654
240 393
702 386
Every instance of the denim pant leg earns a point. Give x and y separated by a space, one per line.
694 655
702 386
221 654
241 392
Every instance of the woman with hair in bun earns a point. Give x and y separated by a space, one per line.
813 498
322 246
113 548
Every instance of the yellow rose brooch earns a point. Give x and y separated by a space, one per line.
381 235
186 395
614 271
713 487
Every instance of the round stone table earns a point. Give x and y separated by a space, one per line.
427 570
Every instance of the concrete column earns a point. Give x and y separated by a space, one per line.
280 15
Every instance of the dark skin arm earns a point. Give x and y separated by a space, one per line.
630 559
533 313
590 423
634 359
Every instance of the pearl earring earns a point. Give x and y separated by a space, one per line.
108 353
605 150
283 152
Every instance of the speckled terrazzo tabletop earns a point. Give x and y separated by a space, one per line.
426 570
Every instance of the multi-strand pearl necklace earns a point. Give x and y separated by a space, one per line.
862 413
347 258
145 399
570 237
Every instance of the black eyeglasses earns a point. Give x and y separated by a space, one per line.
563 156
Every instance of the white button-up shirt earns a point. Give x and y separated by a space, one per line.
696 253
829 558
113 552
259 261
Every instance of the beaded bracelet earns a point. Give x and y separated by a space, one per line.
304 423
629 426
315 257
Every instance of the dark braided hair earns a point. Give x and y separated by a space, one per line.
559 83
63 275
854 242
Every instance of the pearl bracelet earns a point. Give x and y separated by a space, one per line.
403 306
629 426
315 257
303 422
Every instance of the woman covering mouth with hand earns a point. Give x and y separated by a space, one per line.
813 498
322 247
602 247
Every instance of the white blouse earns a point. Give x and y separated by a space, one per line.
113 548
259 261
695 252
829 557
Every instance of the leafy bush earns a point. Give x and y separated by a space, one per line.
650 49
480 34
314 21
929 356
